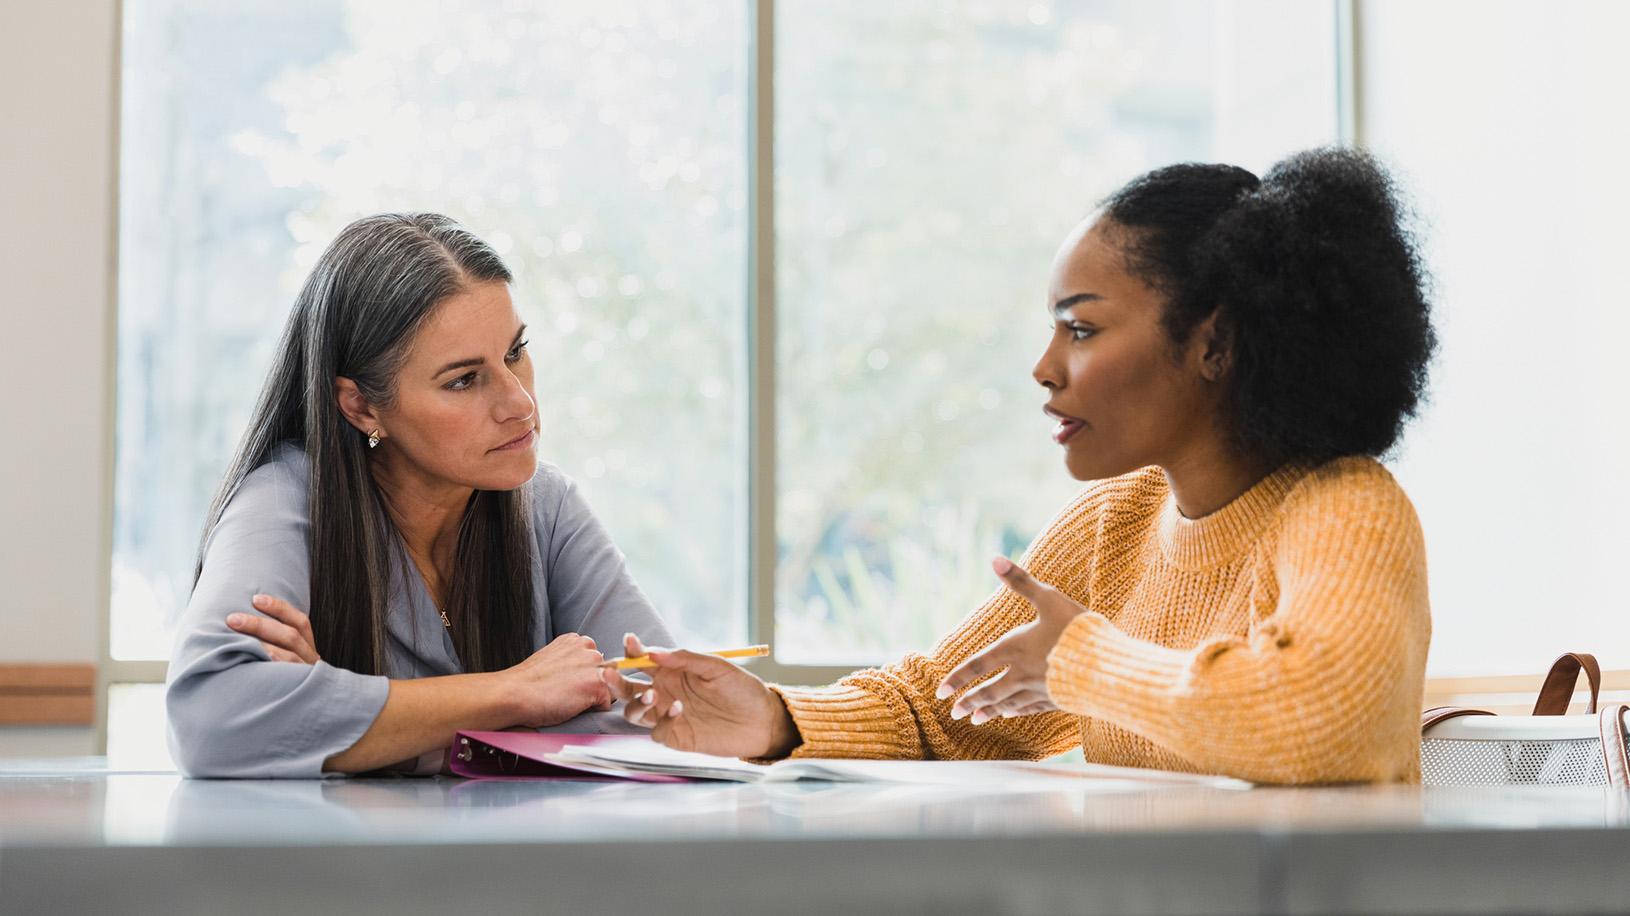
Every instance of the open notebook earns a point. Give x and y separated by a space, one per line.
531 756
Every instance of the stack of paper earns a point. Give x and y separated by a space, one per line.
630 756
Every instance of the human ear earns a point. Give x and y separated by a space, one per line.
354 407
1214 348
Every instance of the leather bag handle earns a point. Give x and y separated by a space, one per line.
1437 714
1611 722
1557 691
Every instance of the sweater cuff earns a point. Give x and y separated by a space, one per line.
848 721
1097 670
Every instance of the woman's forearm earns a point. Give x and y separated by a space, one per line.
552 685
423 714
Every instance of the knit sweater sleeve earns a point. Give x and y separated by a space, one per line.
1325 686
891 712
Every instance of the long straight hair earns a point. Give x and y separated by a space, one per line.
355 317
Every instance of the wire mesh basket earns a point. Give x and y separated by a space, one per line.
1515 751
1472 747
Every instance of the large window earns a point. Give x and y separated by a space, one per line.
599 147
927 158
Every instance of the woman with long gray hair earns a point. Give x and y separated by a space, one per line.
386 561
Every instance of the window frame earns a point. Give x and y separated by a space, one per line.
761 313
757 555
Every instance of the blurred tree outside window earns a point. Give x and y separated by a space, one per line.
599 147
929 156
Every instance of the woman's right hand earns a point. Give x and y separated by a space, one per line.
704 703
285 631
557 682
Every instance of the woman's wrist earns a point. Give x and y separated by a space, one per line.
504 699
784 734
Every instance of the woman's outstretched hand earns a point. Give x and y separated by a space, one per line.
1022 688
284 632
704 703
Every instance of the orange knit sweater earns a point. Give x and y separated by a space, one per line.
1280 639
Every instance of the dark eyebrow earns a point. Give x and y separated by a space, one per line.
478 360
1068 301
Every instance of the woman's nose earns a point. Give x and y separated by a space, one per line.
1046 372
514 402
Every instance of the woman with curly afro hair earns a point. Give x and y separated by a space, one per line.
1242 588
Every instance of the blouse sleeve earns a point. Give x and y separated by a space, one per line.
590 589
1325 688
233 711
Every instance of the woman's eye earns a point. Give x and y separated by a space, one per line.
515 354
462 382
1077 332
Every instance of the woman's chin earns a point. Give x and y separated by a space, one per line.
1085 467
1085 476
1080 466
519 467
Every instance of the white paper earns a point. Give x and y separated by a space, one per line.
646 756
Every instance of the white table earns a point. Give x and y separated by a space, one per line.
77 838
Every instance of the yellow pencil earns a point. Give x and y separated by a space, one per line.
643 662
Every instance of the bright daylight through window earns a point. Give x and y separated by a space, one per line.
929 156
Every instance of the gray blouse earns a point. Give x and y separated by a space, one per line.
235 712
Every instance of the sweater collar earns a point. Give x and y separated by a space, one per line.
1226 534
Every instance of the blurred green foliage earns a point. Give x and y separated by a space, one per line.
930 155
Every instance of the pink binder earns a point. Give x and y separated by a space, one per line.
519 755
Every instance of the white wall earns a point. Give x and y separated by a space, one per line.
1511 121
57 82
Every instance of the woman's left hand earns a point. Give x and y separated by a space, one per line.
285 632
1022 688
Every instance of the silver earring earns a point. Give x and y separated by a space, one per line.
373 439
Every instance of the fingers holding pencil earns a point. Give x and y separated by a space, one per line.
644 704
623 688
652 703
701 702
632 648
